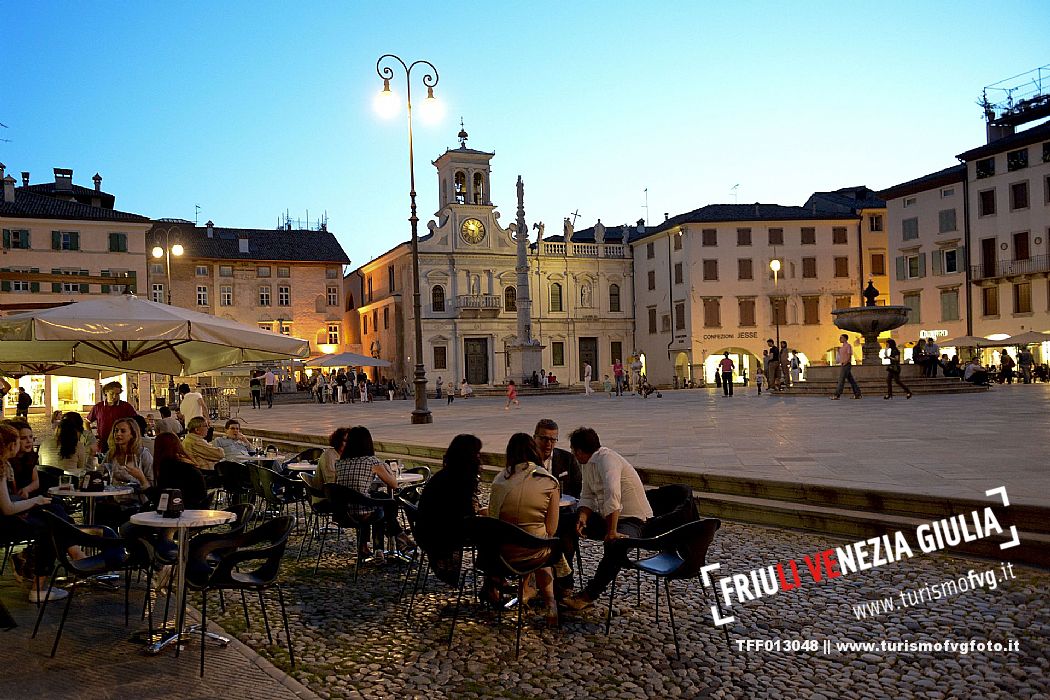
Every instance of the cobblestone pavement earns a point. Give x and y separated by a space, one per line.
955 446
352 639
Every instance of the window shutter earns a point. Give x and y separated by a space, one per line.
7 238
5 285
105 273
74 241
113 244
922 264
56 287
56 240
960 257
27 240
937 258
900 267
34 286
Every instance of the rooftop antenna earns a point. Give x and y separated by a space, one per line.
732 191
646 206
5 140
196 214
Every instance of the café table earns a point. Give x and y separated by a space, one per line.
189 519
90 497
301 467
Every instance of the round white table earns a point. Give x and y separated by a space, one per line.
301 467
90 496
405 479
188 519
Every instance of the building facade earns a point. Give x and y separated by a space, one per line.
285 280
580 290
704 284
972 242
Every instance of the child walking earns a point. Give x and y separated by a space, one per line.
512 395
759 379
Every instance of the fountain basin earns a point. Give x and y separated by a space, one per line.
871 320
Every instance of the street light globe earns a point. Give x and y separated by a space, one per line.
386 103
432 110
158 252
774 265
177 249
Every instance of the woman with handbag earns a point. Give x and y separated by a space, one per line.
893 370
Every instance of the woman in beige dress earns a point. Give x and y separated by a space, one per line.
527 495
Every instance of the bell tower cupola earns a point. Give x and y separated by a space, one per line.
463 175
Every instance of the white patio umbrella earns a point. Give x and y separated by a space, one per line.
970 341
346 359
135 335
1027 338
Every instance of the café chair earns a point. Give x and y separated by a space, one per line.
274 492
681 553
310 454
345 501
112 555
489 536
223 562
235 481
320 513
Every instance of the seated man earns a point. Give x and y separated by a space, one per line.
566 469
167 423
234 444
975 373
203 454
612 506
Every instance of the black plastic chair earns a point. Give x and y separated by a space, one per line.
682 553
112 556
235 481
345 502
219 563
310 454
673 506
275 492
489 536
320 513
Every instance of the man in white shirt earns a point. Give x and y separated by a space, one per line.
269 380
192 405
612 506
844 357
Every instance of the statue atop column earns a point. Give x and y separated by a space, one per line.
538 227
567 230
870 294
599 232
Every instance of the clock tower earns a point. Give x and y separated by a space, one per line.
463 196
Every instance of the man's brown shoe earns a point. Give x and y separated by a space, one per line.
577 602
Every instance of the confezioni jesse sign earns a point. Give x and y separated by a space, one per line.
741 335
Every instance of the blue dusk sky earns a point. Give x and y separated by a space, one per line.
251 109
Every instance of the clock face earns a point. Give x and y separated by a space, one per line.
472 231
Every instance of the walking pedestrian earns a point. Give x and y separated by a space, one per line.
796 368
255 387
618 376
773 371
845 360
785 365
587 379
1006 374
760 377
23 404
439 383
512 395
893 370
269 380
1026 362
726 366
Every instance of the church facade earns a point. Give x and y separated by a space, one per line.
581 290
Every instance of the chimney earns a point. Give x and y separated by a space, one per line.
63 180
98 182
211 230
25 178
9 189
242 242
666 216
2 168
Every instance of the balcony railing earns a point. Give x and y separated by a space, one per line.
584 250
479 301
1011 268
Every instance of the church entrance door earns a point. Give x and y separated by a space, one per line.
476 355
589 353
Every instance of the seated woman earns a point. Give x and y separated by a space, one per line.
24 463
448 499
67 449
21 519
325 473
527 495
128 464
357 468
174 469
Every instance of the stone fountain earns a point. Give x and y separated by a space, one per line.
869 321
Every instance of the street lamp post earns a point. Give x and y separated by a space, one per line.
166 252
421 413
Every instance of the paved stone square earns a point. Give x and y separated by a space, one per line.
954 445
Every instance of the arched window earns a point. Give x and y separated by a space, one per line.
510 299
479 188
614 297
437 298
556 297
461 187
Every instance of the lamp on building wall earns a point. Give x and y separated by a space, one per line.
774 266
386 104
166 252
